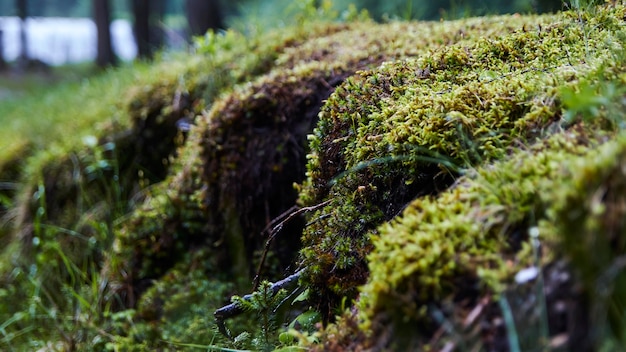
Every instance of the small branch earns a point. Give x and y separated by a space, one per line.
274 227
235 309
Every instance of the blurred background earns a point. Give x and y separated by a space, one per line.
35 34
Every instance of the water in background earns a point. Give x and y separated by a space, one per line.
58 41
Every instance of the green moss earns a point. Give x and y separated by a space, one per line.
175 311
585 225
467 235
252 145
407 128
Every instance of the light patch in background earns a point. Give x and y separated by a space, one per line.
58 41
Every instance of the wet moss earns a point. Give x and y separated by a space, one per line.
236 171
467 241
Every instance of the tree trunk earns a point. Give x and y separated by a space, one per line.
543 6
203 15
148 16
21 6
3 63
102 17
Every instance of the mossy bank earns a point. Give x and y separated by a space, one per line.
436 185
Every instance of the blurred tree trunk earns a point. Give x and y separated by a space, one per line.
147 26
543 6
102 17
21 6
203 15
3 63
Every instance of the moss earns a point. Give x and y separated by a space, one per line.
176 215
408 128
252 143
467 236
389 134
587 217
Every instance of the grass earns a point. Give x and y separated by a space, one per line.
45 116
40 110
17 85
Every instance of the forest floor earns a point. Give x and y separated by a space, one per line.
17 83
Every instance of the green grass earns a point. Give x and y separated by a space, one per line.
14 83
59 110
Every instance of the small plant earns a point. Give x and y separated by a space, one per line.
264 303
591 101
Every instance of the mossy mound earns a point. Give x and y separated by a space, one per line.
236 172
408 128
471 240
140 123
433 157
391 137
66 200
466 241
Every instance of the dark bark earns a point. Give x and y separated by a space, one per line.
544 6
203 15
102 17
3 63
147 26
21 6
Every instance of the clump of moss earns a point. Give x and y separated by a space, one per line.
407 128
471 235
585 225
234 174
468 236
